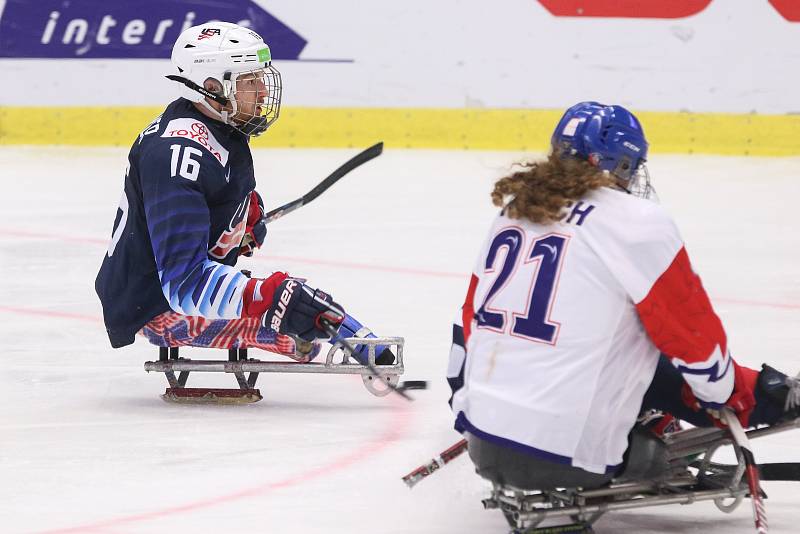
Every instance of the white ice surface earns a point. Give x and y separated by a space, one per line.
87 445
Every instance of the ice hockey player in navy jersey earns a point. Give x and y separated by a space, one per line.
583 312
189 209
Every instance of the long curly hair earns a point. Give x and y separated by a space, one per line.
542 190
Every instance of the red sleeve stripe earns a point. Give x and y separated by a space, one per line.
468 310
678 315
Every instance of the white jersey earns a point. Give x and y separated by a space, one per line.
563 324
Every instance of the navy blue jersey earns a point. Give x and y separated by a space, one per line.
179 225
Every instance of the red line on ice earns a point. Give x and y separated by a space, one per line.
10 232
364 266
397 427
50 313
361 266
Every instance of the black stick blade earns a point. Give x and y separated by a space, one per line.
356 161
413 384
359 159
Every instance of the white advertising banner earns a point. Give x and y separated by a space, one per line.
732 56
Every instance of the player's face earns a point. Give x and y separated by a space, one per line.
251 91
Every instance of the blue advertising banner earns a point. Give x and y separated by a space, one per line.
119 29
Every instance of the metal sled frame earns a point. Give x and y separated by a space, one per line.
525 510
246 370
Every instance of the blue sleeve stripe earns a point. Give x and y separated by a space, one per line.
170 200
167 232
179 238
184 252
163 225
173 204
184 257
212 290
186 302
458 336
218 280
177 270
189 284
233 289
176 214
197 293
206 296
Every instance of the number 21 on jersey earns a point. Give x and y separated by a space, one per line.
547 253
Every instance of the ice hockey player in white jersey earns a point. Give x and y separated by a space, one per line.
582 293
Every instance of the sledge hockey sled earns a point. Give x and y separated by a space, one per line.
246 371
689 475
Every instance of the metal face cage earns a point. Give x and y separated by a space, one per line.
255 96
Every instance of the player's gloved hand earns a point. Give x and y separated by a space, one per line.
302 311
255 230
742 399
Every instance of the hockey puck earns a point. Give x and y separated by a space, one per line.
414 384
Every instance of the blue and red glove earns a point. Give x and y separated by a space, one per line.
302 311
288 306
256 229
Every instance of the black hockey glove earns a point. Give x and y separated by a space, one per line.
300 311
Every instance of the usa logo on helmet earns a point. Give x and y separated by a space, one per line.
207 33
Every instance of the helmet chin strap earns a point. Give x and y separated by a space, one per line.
230 97
230 93
222 116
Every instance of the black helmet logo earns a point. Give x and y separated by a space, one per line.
207 33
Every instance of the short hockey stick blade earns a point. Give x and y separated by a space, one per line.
786 472
777 471
413 384
751 469
429 468
359 159
336 338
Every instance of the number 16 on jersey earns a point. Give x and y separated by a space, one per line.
547 253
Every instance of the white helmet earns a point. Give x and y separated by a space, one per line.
227 52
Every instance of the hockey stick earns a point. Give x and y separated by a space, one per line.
751 469
400 389
194 87
359 159
444 457
774 471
